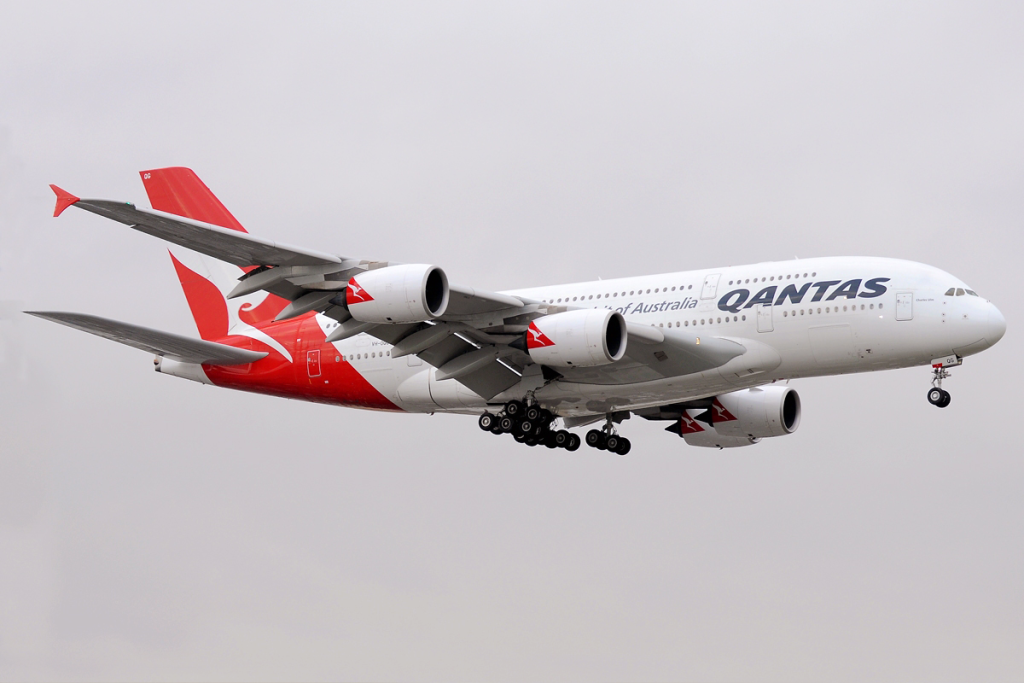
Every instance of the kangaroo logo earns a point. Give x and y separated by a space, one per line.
721 414
536 339
356 294
687 425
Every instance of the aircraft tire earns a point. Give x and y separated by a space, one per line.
946 398
514 408
574 443
935 395
486 422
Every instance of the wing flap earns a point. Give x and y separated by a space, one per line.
167 344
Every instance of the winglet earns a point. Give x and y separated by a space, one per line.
64 200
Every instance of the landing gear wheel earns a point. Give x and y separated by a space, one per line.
487 422
624 446
525 427
936 395
531 441
549 440
945 399
533 413
506 424
514 408
574 443
521 438
562 438
594 437
613 443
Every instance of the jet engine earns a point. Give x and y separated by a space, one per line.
398 294
588 337
704 435
758 413
741 418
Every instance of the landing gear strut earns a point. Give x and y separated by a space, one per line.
938 396
529 424
607 439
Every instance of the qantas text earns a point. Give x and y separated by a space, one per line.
851 289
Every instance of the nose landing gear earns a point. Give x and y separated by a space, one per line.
938 396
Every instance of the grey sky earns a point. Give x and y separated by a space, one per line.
152 528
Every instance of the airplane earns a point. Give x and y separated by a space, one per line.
711 352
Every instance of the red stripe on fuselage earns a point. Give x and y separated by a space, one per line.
337 384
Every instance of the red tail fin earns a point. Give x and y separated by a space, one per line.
206 281
179 191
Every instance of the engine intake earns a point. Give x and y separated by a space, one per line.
581 338
398 294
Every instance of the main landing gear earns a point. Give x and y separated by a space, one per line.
531 425
606 439
938 396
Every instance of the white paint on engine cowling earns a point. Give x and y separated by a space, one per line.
584 338
709 438
398 294
759 412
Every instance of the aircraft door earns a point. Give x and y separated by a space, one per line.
313 363
710 287
904 305
764 318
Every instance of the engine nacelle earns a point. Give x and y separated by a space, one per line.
697 433
757 413
584 338
398 294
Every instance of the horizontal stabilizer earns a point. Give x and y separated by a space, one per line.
173 346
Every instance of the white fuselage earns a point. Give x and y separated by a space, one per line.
800 318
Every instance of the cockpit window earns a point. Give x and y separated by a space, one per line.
972 293
951 291
959 291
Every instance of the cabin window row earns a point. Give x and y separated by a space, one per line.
632 292
832 309
772 278
365 356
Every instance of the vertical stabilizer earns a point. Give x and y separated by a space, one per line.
206 281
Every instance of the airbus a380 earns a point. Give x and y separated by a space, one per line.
706 351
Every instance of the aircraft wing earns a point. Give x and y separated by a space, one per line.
239 248
473 342
173 346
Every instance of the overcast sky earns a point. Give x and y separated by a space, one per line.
152 528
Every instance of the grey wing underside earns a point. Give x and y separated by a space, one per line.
167 344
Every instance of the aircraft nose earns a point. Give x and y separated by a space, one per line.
996 326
